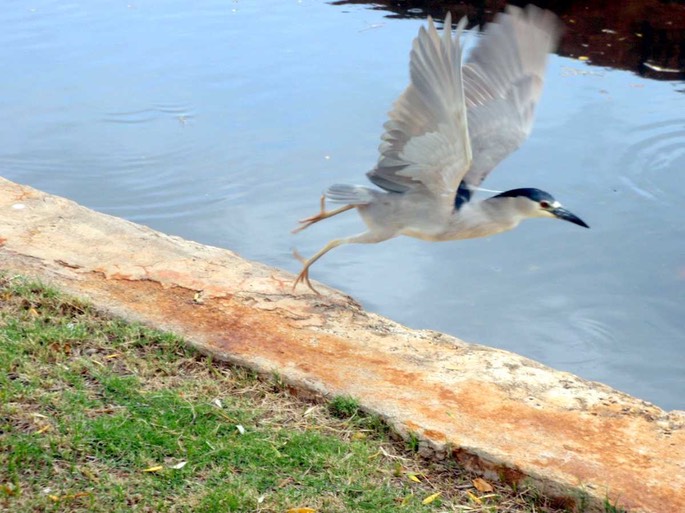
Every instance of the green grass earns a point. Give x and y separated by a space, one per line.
344 406
100 415
609 507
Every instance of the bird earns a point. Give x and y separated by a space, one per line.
453 124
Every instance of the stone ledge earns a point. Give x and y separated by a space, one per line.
498 413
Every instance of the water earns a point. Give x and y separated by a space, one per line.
222 122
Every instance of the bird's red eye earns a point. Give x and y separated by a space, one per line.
544 204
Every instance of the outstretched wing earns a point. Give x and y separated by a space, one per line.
503 78
426 141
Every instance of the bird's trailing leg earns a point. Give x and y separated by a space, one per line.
308 221
363 238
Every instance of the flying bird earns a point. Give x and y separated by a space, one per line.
447 131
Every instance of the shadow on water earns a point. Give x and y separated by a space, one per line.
645 36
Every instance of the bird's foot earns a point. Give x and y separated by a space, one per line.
323 214
303 277
308 221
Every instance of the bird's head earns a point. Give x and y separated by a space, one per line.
536 203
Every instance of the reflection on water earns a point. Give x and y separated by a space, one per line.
222 122
646 36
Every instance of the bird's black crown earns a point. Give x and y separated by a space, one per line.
533 194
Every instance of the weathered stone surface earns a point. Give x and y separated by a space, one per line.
496 412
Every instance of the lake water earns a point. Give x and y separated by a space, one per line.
222 122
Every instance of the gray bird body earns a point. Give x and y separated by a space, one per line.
413 214
450 127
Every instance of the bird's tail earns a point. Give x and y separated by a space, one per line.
350 194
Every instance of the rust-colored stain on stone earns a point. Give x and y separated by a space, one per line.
495 412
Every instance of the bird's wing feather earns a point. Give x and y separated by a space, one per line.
426 142
503 79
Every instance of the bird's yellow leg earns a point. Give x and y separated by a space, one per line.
308 221
304 273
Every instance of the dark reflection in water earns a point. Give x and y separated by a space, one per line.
646 36
222 121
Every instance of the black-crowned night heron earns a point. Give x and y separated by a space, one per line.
451 126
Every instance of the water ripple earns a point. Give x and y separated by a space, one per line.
183 113
653 151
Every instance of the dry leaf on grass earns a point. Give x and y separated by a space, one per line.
414 478
482 485
473 498
68 497
431 498
156 468
8 489
61 348
86 472
301 510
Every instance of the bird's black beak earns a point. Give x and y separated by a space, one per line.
562 213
